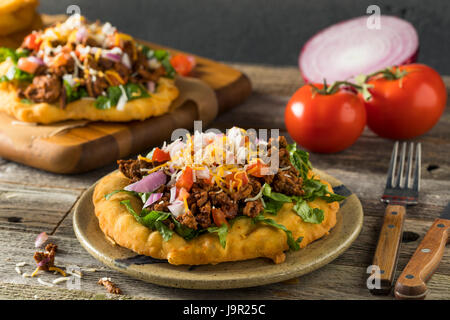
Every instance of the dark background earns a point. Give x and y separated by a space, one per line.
259 31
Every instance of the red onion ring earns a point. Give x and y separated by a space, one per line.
349 48
176 208
113 57
152 199
36 60
40 239
148 183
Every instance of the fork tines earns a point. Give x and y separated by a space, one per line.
398 184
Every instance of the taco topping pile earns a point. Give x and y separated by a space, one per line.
203 184
76 60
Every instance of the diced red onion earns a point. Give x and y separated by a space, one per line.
43 262
122 100
126 61
82 34
173 194
202 174
36 60
176 208
113 57
151 86
152 199
149 183
40 239
350 48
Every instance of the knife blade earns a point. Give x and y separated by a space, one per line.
412 282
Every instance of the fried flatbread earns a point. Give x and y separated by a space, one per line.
244 241
16 15
140 109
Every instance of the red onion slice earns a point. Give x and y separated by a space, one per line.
36 60
349 48
173 194
149 183
113 57
40 239
176 208
152 199
82 34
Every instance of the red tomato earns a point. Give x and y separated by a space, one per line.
160 155
406 107
32 42
182 194
325 122
237 179
186 179
219 217
27 65
182 64
255 169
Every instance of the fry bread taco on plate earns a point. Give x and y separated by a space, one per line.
213 198
75 70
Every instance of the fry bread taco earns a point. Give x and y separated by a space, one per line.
75 70
183 204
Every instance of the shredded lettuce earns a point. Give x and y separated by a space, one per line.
293 244
14 55
75 92
222 232
151 219
132 90
163 57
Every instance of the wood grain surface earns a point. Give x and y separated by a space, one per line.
99 143
32 201
411 283
388 246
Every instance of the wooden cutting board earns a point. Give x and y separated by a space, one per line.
99 143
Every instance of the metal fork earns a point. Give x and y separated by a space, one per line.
402 189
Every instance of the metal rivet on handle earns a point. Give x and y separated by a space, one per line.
409 276
394 213
381 271
440 225
425 250
391 226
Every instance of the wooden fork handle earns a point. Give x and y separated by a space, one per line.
388 247
428 255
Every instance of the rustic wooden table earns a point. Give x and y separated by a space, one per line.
32 201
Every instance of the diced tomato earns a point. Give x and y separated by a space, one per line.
209 180
182 64
160 155
255 169
237 179
182 193
60 60
27 65
186 179
219 217
32 42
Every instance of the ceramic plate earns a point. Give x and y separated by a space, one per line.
225 275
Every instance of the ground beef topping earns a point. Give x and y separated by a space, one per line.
109 285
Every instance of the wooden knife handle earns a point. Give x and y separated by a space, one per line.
411 283
388 247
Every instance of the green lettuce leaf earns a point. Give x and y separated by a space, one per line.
293 244
222 232
308 214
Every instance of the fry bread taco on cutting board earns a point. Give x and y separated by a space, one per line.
75 70
184 204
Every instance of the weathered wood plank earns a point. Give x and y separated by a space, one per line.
33 209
